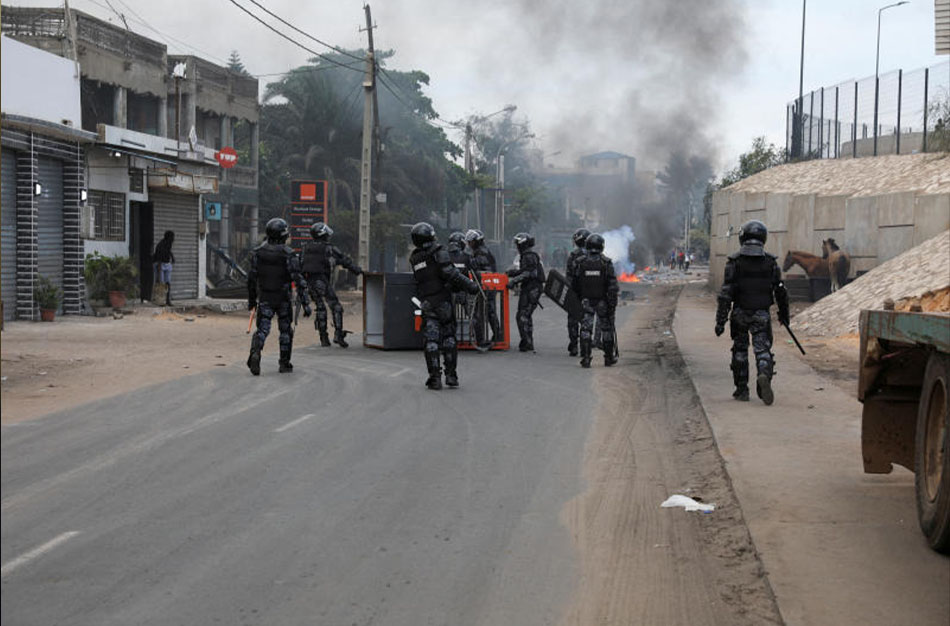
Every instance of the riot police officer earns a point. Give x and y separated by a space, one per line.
436 278
483 261
530 275
274 266
319 257
573 323
753 281
596 285
463 261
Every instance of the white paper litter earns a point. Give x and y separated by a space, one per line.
687 503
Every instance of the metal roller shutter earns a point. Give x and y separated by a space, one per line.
8 228
50 221
179 213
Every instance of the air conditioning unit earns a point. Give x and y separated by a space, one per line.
87 224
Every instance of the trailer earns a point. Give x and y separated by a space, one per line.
904 384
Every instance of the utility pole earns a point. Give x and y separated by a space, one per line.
366 167
468 170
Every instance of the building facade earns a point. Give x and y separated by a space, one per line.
153 164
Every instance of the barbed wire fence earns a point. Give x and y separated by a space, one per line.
840 121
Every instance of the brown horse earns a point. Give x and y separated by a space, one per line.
814 266
839 263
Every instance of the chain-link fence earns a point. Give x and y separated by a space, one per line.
840 121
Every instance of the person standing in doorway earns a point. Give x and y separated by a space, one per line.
164 260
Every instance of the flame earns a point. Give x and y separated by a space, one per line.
628 278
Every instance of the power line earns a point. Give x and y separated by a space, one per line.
292 40
307 70
307 35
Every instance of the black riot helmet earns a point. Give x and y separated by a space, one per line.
423 235
276 230
474 237
321 232
580 237
595 243
753 231
523 241
457 239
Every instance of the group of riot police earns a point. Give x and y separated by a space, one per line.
449 276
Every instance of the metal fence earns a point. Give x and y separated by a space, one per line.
840 121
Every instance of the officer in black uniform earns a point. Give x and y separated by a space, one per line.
483 261
274 266
579 251
530 275
753 281
436 278
462 260
319 257
596 285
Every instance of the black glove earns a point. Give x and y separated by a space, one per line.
359 270
783 318
472 287
251 305
720 329
307 310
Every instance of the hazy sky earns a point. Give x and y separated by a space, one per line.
636 76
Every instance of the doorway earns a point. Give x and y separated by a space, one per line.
141 223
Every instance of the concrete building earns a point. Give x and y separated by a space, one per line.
43 178
153 167
597 190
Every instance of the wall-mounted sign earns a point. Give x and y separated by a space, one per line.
226 157
212 211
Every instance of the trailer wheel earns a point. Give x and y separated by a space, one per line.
932 450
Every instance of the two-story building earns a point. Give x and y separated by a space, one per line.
159 122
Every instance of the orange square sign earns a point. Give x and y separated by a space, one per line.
308 192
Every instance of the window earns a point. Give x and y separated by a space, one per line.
109 209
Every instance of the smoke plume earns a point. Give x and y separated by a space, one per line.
617 248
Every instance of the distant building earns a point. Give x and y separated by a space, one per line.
597 190
153 166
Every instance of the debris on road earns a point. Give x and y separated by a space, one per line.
687 503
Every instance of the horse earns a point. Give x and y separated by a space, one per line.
814 266
839 263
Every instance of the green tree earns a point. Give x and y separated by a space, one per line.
938 140
761 157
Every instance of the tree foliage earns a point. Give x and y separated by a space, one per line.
761 157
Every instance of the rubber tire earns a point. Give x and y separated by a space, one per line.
934 516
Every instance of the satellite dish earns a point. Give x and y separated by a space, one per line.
179 70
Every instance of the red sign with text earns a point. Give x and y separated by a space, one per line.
226 157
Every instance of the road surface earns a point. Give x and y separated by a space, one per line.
346 493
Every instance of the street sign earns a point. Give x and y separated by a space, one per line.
212 211
308 205
226 157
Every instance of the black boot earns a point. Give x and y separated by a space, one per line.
450 358
572 347
610 357
284 364
435 372
324 338
763 382
741 393
254 360
339 335
585 352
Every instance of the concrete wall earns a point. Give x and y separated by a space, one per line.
38 84
872 229
107 173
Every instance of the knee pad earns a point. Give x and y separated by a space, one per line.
431 346
336 307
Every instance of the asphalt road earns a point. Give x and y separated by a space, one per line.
346 493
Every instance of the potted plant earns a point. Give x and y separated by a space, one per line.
112 277
122 280
47 296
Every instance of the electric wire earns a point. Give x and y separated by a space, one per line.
292 40
307 35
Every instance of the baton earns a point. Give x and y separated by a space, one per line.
250 321
794 338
